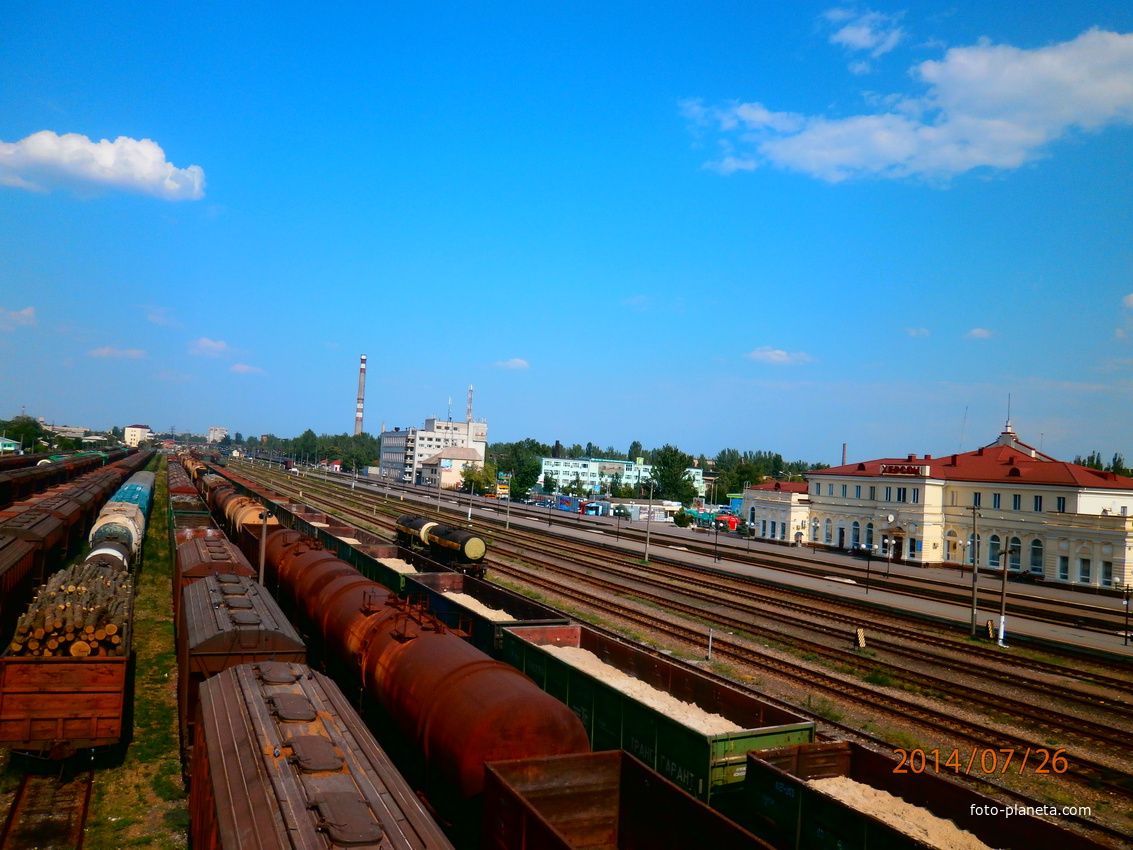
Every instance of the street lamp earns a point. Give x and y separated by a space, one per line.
648 519
975 550
869 550
1003 594
551 506
1128 591
716 542
264 516
471 493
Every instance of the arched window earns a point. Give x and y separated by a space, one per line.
1037 556
855 533
869 534
973 546
814 531
1014 553
827 529
993 550
751 515
950 546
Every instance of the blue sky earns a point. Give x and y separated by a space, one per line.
754 225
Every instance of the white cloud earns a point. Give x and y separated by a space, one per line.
245 369
638 302
110 351
873 31
987 105
160 316
205 347
1128 301
916 332
514 363
11 319
45 161
978 333
778 357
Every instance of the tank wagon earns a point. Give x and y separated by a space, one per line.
120 528
782 808
459 707
282 762
226 621
65 673
456 548
707 764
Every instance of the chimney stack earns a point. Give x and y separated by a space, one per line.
361 397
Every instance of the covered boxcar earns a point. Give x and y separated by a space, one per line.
226 621
282 762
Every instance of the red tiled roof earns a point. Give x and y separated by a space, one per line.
1007 460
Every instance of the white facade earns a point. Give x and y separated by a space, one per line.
217 434
777 510
136 434
1003 504
404 450
598 474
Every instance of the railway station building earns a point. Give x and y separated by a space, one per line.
777 510
1004 505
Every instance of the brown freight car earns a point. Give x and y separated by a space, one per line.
205 556
72 697
227 621
283 761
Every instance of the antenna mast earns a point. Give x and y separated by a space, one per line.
470 403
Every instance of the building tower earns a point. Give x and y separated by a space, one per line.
361 397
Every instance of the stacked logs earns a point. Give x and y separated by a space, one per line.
81 611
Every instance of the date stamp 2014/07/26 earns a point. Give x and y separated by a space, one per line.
987 760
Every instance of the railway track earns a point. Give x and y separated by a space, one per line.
707 587
49 812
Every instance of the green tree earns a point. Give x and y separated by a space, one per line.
484 477
26 431
1118 464
635 451
550 485
671 479
524 478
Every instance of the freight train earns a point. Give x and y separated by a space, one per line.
64 676
460 707
461 550
22 483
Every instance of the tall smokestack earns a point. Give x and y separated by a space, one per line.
843 454
361 397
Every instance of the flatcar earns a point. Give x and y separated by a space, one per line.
283 762
456 548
